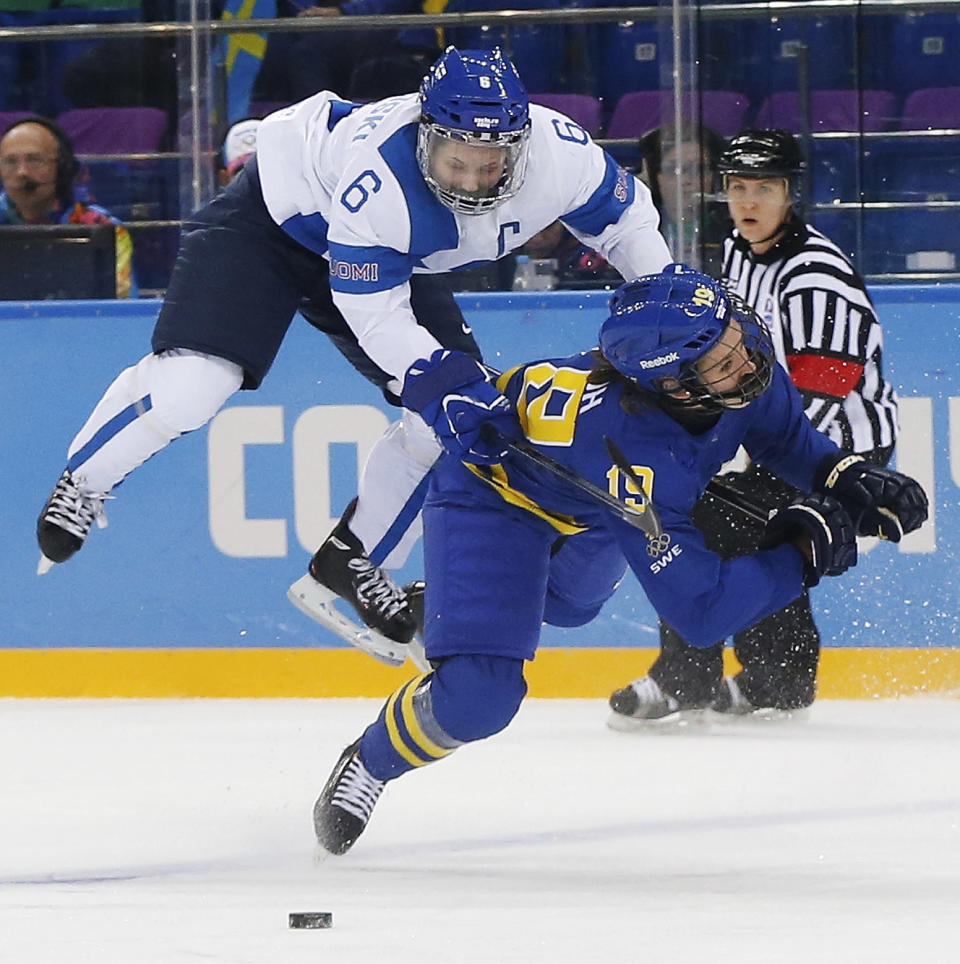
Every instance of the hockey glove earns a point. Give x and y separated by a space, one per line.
881 502
826 527
454 395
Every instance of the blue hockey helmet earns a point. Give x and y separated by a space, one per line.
474 98
679 333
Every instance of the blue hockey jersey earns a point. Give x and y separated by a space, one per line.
701 596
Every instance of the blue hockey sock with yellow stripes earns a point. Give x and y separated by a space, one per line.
466 698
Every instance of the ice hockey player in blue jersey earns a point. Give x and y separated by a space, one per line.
347 213
684 374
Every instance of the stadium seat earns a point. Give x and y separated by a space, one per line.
931 107
537 51
582 108
8 117
831 110
641 111
129 189
627 58
775 44
914 50
115 130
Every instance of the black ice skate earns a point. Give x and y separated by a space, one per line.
344 807
340 569
644 703
65 521
732 704
730 700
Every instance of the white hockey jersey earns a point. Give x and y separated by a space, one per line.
343 180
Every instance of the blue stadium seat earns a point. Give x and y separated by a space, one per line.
538 52
913 50
831 47
628 59
911 241
834 171
840 227
53 56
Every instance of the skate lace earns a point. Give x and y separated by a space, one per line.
357 791
73 510
375 589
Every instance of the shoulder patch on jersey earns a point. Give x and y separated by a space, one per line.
607 203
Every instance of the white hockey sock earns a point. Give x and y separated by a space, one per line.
392 486
146 408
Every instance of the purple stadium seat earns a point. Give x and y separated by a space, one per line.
830 110
115 130
582 108
640 111
8 117
931 107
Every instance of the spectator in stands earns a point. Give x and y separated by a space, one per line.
238 146
697 163
39 171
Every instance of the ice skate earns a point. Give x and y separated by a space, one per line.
343 809
341 570
731 705
644 704
65 521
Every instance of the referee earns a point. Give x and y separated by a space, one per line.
826 334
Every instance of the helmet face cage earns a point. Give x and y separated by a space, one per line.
662 327
474 97
764 154
753 366
514 147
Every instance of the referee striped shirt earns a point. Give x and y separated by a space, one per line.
825 331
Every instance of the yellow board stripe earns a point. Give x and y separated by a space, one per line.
590 673
393 730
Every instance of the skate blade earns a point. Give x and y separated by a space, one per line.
44 565
766 716
418 655
682 720
316 601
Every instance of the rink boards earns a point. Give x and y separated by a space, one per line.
184 592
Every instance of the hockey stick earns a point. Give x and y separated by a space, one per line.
715 487
736 500
643 516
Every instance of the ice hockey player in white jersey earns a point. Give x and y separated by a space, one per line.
343 213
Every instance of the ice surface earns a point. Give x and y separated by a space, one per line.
180 831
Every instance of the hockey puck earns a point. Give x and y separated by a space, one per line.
315 920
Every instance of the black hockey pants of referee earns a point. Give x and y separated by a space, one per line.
779 654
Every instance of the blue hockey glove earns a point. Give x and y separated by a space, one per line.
453 393
829 533
881 502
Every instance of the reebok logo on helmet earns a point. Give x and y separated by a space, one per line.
659 360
